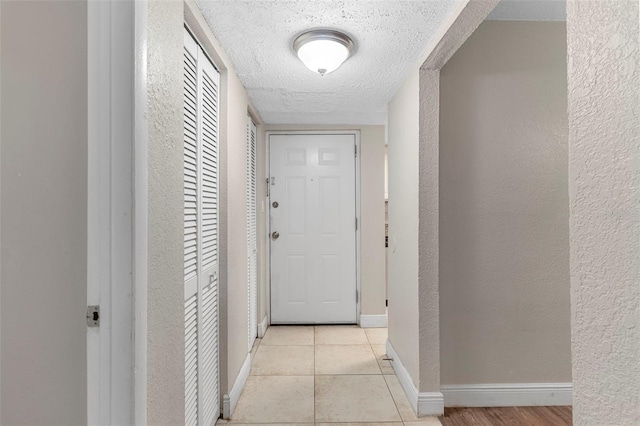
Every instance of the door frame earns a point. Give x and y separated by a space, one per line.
267 224
117 210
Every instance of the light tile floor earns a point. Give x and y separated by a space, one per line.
323 375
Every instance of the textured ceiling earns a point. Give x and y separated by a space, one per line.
390 38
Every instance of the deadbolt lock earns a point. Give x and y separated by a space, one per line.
275 204
275 235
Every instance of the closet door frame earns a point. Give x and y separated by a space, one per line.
205 145
252 231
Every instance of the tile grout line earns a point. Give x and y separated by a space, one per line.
378 364
393 399
369 343
386 383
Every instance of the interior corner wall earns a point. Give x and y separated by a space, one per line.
504 211
604 192
403 158
44 212
165 292
372 256
234 167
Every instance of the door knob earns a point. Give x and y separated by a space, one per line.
275 235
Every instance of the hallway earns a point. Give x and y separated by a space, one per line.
323 374
496 154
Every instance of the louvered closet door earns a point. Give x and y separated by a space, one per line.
252 242
210 398
201 83
191 228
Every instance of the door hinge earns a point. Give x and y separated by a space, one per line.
268 189
357 296
355 150
93 316
356 223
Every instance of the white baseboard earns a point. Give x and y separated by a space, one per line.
373 321
423 403
262 327
230 400
430 404
507 395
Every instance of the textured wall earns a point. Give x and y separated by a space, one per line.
604 188
428 232
44 212
504 211
372 139
165 314
403 134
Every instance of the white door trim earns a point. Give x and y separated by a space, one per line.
115 230
267 227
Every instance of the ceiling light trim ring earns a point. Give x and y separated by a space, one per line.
324 34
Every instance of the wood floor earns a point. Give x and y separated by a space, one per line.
512 416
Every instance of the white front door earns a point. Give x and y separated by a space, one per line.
313 228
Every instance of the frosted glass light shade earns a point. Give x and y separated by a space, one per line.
323 51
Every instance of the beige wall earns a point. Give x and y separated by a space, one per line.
372 143
234 210
604 190
372 256
44 212
504 229
165 298
403 134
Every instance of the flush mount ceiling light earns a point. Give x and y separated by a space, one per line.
323 51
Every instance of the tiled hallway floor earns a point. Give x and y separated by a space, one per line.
323 374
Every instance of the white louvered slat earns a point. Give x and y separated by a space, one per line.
190 167
209 350
202 384
210 167
252 261
190 360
